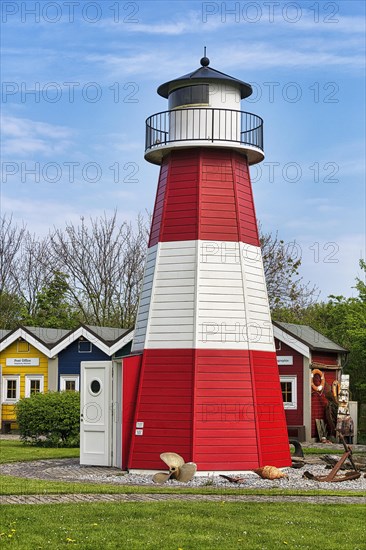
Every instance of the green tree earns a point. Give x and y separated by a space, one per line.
52 307
343 320
11 310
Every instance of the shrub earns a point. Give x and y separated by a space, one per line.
50 419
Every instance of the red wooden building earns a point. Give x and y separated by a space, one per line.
309 364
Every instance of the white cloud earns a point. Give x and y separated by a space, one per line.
189 23
24 137
260 55
41 216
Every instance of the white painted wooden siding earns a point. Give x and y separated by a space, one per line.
204 295
145 299
232 306
171 323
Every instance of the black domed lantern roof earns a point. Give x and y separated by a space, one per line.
203 75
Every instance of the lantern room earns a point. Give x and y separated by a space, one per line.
204 110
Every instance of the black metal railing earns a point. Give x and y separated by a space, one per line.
201 124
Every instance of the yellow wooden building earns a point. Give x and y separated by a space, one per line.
27 367
24 372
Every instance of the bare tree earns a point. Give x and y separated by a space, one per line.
10 243
35 270
103 261
133 271
285 286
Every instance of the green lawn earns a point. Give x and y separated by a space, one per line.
182 525
169 525
326 451
15 451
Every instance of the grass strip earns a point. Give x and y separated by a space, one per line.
15 451
183 526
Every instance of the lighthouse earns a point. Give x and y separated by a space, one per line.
208 386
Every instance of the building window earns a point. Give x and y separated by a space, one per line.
35 386
34 383
69 383
22 346
84 346
11 392
289 391
11 385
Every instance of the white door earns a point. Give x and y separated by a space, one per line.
96 413
117 414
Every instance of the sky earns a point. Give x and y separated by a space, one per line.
79 79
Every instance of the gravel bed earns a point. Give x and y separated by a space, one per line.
251 481
70 470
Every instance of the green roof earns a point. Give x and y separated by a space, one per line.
108 334
48 336
312 338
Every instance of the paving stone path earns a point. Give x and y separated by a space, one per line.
82 499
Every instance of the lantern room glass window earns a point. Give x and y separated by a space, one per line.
189 95
289 391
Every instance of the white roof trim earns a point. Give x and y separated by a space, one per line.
94 339
21 333
291 341
81 331
121 343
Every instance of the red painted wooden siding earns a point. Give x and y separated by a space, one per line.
225 430
324 358
274 447
208 406
246 208
164 404
130 376
319 401
294 417
159 205
204 194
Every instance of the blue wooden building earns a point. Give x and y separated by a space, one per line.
88 343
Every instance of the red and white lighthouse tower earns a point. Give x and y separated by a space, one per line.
209 385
